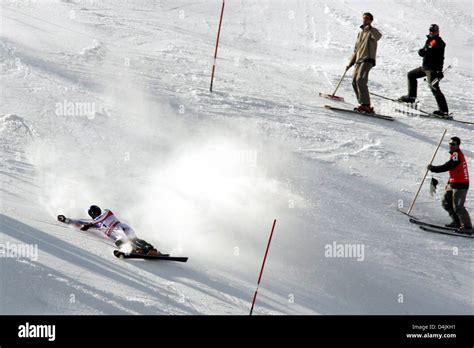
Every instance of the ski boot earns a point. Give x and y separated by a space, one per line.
442 114
407 99
453 224
365 108
466 230
142 247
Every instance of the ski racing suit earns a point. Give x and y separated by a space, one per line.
112 226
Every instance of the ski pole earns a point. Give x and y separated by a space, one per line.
436 80
263 265
426 173
217 45
342 78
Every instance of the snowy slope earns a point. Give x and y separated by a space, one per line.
107 103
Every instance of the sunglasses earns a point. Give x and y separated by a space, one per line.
452 144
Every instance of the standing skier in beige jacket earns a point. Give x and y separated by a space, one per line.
363 58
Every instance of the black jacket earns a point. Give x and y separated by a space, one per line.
433 53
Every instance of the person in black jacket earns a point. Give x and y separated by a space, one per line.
432 68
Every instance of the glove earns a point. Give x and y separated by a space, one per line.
61 218
433 185
439 75
349 66
429 167
422 52
85 227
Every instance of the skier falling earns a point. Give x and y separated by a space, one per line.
122 234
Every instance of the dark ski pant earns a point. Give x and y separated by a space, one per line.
420 72
453 203
360 80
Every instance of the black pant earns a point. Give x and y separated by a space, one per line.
453 203
417 73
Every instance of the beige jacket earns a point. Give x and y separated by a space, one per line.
365 48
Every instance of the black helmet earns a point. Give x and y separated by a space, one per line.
434 28
94 211
455 141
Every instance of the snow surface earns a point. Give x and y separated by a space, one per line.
107 102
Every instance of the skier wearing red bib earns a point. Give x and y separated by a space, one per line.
457 187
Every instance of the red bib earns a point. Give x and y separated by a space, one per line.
460 174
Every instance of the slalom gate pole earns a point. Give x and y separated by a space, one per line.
217 45
263 265
426 173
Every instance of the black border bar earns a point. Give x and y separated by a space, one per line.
224 330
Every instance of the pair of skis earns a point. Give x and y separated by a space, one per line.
340 99
163 257
422 113
429 227
383 117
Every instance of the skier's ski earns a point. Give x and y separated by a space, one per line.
447 119
443 231
383 117
432 116
460 121
165 257
408 113
423 113
427 224
444 119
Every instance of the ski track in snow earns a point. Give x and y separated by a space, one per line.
157 138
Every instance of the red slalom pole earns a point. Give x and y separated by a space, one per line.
263 265
217 45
